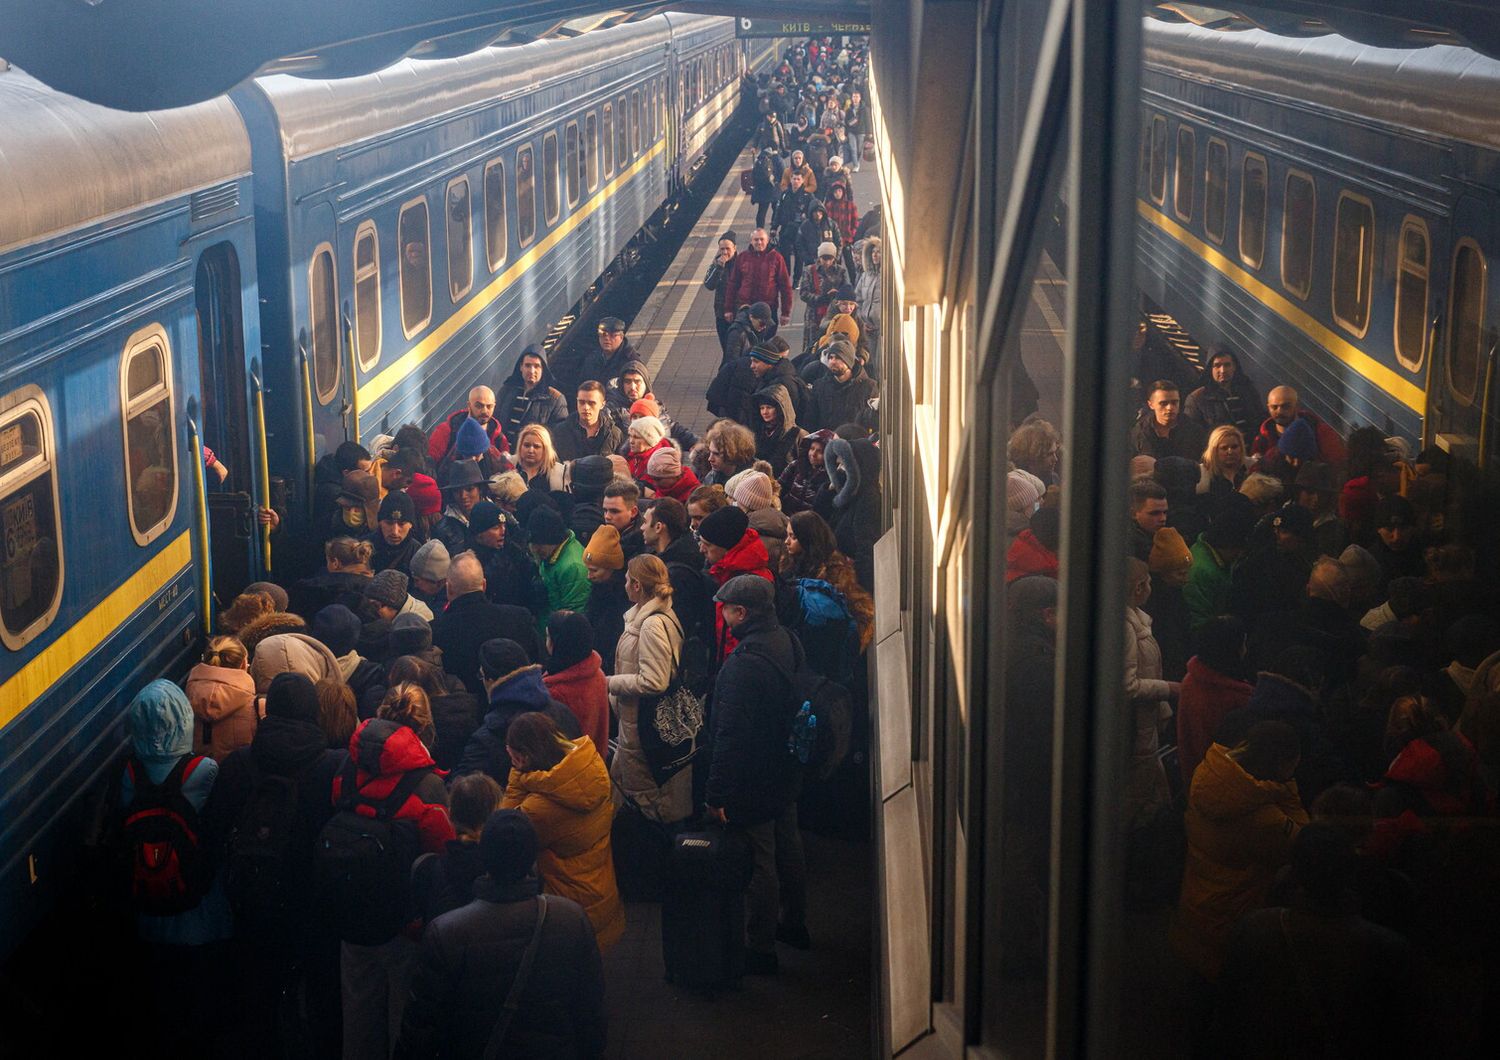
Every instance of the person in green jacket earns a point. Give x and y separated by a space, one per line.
1214 555
559 558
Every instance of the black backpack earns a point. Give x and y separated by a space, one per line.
261 863
362 863
820 717
168 871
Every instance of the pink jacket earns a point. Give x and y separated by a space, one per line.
223 701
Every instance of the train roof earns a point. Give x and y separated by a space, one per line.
65 162
317 116
1439 90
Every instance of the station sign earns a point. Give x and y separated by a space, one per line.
797 27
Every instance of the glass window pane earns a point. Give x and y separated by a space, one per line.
146 370
460 240
1159 159
1297 234
571 162
1253 211
607 140
525 195
549 177
367 297
1216 190
323 329
622 136
1187 169
635 124
148 461
1353 258
495 234
1467 315
416 268
591 150
20 442
30 561
1411 296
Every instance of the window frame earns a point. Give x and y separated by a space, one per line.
1468 398
1311 229
455 296
1208 150
324 396
409 204
573 173
1409 223
149 337
524 239
1185 130
1265 185
590 146
1369 285
622 142
29 398
551 171
489 259
1158 124
366 228
607 137
635 123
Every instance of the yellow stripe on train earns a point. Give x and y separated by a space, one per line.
1403 390
54 661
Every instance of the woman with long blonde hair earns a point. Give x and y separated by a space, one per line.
536 459
1222 467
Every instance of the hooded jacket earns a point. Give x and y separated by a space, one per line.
1239 833
1264 444
760 276
293 653
801 483
604 368
383 752
854 471
223 700
614 391
818 228
776 443
583 690
565 577
835 403
637 461
646 659
1207 696
515 406
843 213
440 443
867 286
748 556
518 692
1027 555
569 806
1213 405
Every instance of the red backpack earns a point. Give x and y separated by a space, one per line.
168 870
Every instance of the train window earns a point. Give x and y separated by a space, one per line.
367 295
1253 211
1411 294
460 238
1298 216
525 195
1353 262
1466 311
150 433
635 124
1159 159
496 236
1186 175
591 149
1216 189
31 564
622 134
414 234
323 328
607 139
572 164
550 201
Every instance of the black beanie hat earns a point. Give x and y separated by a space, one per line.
292 696
398 507
724 527
486 515
572 640
545 527
507 846
338 628
501 656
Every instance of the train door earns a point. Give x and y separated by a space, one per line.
674 119
320 334
224 419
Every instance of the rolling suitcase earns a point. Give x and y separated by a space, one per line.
703 909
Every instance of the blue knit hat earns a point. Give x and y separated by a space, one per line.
471 440
1299 441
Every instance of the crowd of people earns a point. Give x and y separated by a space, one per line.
1311 655
413 788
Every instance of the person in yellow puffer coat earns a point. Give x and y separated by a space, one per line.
562 786
1243 813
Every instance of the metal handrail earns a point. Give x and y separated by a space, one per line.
200 530
264 475
308 437
353 380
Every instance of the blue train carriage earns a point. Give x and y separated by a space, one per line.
1328 210
418 226
120 234
709 63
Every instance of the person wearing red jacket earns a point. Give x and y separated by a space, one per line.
481 408
759 275
1034 551
730 548
664 471
1284 407
1213 687
383 751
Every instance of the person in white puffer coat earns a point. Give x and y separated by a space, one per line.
867 286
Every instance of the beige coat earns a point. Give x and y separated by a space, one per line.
1146 789
223 700
645 659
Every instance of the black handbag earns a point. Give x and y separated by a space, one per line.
669 723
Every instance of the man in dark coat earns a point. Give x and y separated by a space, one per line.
752 779
470 958
393 540
1274 577
512 685
1161 429
752 326
843 395
794 207
718 271
591 430
614 350
765 183
1228 397
468 621
509 575
732 393
462 485
528 396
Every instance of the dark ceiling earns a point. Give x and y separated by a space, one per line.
148 54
